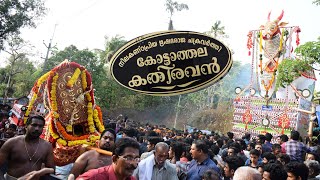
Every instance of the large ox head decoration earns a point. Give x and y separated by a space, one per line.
271 28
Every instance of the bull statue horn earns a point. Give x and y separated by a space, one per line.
280 17
269 16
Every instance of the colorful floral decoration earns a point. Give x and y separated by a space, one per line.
247 117
34 93
72 118
284 122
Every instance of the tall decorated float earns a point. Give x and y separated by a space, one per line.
275 100
64 96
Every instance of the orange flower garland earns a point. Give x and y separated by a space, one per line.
74 78
67 136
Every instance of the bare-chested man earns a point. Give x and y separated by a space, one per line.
92 159
26 153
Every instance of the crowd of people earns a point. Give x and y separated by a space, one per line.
152 152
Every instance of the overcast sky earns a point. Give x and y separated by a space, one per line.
84 23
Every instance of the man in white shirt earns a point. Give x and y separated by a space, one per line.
156 166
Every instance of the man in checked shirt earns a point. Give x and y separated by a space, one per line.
294 148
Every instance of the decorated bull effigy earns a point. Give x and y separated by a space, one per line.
65 97
264 106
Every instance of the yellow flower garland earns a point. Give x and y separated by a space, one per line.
84 80
74 78
33 99
35 95
94 138
90 118
62 142
90 141
53 97
97 121
43 78
69 128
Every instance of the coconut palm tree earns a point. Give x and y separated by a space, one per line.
171 7
217 30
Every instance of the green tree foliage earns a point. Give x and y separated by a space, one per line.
289 70
17 70
223 89
16 14
308 58
310 52
111 46
14 82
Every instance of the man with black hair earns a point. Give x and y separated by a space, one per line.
314 169
297 170
26 154
262 139
254 159
233 151
246 138
210 175
283 139
93 159
231 165
268 140
296 149
152 141
283 158
230 135
130 132
268 157
124 161
274 171
10 131
276 149
201 161
258 146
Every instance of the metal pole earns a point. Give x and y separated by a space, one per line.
175 119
